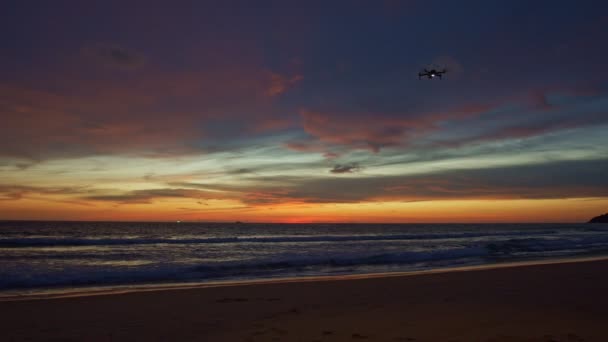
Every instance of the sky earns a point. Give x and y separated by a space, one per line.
303 111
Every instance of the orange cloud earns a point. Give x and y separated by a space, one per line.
373 131
280 83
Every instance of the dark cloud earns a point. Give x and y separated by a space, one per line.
114 56
240 171
345 168
131 116
280 83
566 179
79 194
535 113
537 117
148 195
16 192
24 166
376 130
216 82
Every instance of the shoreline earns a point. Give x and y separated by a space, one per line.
141 288
553 301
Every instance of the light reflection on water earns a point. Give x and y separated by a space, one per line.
116 263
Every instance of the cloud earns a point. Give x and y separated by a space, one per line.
148 195
538 117
151 114
280 83
358 132
114 56
374 131
537 112
345 168
312 146
240 171
17 192
569 179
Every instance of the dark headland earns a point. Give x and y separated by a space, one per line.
600 219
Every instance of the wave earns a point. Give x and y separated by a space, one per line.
287 261
67 242
277 265
531 245
298 264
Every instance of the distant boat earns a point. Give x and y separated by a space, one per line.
238 222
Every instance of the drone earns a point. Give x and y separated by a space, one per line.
430 74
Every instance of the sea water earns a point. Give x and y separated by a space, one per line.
42 257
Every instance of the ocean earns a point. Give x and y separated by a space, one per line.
59 257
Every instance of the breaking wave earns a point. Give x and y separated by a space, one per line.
74 256
67 242
218 270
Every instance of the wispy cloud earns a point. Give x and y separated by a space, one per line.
345 168
113 56
16 192
524 181
148 195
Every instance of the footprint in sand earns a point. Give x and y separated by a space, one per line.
259 332
359 336
574 338
279 331
231 300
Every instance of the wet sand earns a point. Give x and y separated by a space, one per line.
550 302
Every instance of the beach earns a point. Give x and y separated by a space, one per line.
538 302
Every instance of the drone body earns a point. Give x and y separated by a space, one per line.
430 74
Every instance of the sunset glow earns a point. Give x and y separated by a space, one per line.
292 119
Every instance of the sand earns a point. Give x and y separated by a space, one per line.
550 302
